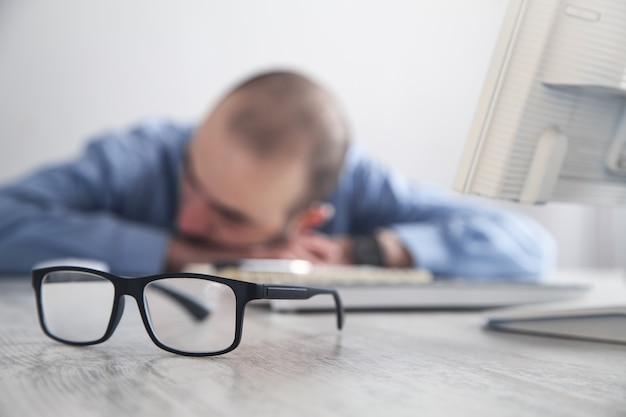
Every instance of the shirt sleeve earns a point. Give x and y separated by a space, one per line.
110 205
448 234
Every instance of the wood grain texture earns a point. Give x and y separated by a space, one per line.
391 364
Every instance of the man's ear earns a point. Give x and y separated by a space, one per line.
315 215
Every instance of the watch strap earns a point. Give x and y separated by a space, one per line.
367 251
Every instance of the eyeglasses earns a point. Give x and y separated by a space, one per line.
184 313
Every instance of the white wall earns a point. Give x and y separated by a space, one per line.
408 72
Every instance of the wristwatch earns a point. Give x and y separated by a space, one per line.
367 251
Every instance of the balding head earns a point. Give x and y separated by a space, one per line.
273 145
285 114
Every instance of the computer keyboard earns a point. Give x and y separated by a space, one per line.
336 276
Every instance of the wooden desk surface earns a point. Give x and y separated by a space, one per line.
383 364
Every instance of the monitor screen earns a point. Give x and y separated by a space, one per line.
551 120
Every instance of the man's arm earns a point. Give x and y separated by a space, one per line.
439 231
31 233
110 205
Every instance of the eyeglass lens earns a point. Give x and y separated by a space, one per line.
177 328
76 306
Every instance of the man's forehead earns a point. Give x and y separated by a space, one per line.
257 187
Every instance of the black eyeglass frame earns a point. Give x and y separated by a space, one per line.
134 286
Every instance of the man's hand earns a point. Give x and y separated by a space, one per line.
321 249
316 248
313 247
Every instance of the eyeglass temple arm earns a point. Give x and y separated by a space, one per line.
285 292
197 310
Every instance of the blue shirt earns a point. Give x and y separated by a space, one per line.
117 204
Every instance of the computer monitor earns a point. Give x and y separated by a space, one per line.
550 125
551 120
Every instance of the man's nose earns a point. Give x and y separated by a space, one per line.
196 220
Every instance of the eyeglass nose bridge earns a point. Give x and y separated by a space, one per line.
131 287
117 314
